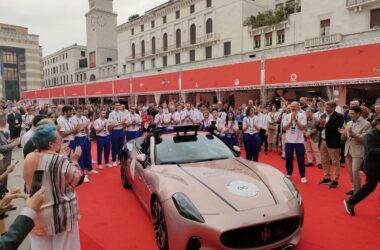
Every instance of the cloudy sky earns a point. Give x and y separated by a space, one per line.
61 23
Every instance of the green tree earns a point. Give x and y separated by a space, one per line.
133 17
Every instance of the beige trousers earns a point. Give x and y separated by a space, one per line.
312 147
354 164
326 155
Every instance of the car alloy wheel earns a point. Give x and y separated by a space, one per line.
159 225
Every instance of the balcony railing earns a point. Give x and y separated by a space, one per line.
270 28
355 3
323 40
199 41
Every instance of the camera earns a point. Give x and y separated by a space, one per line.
240 124
212 127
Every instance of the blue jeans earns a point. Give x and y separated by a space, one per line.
81 142
117 142
252 144
300 153
131 135
230 139
103 144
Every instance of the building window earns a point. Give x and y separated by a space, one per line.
164 61
193 34
208 3
9 58
227 48
192 55
165 42
280 36
143 48
325 27
109 59
164 19
11 74
268 39
192 9
178 38
153 63
208 52
257 41
177 14
132 31
209 26
133 67
153 24
142 65
124 68
133 51
178 58
375 18
153 45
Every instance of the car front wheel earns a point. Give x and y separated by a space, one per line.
159 225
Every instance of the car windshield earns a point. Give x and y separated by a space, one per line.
197 149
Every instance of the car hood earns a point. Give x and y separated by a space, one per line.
232 182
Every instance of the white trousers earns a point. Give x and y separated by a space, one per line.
62 241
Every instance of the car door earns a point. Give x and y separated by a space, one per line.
140 183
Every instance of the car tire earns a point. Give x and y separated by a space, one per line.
123 172
159 225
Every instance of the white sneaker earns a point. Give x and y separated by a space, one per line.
93 171
108 165
100 167
303 180
114 164
86 179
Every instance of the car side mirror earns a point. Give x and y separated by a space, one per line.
141 158
237 149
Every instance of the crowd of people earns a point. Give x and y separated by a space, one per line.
57 140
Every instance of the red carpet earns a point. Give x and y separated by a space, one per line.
113 219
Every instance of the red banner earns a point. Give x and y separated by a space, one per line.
92 60
42 94
346 63
122 87
57 92
75 91
157 83
99 89
29 95
228 76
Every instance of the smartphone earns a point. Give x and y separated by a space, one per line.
37 181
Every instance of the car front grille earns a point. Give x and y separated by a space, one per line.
260 235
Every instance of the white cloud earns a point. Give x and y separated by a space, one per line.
61 23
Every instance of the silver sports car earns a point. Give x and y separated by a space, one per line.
201 194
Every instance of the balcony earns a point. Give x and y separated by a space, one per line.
206 40
359 4
323 40
266 29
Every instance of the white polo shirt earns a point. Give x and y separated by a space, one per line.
293 133
103 124
116 117
251 122
134 119
66 125
75 120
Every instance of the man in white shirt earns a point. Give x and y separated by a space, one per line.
81 140
66 128
263 121
186 115
321 110
133 124
159 119
28 119
176 117
116 123
294 125
103 139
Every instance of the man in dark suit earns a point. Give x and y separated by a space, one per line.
371 167
15 121
330 143
24 223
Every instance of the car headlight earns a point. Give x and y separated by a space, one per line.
186 208
293 189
